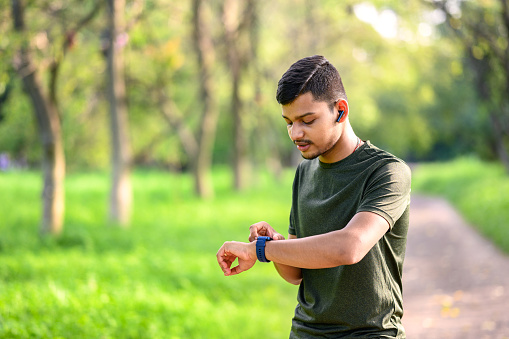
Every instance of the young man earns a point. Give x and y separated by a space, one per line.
348 222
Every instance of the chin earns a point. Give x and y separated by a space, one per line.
309 156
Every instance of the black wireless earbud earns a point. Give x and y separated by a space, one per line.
340 115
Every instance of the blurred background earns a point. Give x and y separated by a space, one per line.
138 135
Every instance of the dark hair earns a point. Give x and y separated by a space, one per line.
313 74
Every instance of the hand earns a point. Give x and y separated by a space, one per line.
263 229
231 250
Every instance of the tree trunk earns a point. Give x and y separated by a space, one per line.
49 127
504 130
240 160
235 27
502 126
121 191
204 49
499 140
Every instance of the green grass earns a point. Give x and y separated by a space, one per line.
157 279
479 190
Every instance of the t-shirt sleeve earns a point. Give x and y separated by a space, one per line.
387 192
291 226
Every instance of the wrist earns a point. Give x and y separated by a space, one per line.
260 248
252 250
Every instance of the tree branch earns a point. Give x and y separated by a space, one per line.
138 10
172 116
67 44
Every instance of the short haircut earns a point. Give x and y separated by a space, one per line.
313 74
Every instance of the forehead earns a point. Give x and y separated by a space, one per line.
303 105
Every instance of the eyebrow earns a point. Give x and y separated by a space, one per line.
300 116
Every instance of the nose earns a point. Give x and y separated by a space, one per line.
295 132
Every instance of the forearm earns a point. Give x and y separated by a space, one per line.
346 246
320 251
343 247
291 274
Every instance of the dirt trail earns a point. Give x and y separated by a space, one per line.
455 283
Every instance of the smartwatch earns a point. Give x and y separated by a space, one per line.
260 248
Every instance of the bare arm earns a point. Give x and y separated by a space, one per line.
343 247
289 273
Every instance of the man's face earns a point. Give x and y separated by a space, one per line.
311 126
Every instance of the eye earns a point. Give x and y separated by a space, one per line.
309 122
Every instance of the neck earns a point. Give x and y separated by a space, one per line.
347 143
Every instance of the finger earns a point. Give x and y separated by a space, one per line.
227 271
220 254
224 259
234 271
228 262
221 260
225 266
253 232
278 236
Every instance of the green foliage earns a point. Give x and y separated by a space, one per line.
477 189
158 279
17 134
412 93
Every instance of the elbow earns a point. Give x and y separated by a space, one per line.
295 282
344 258
294 279
352 258
351 255
290 274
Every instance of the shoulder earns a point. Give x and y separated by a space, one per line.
374 152
385 164
383 157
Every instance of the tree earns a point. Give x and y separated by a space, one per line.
48 123
121 191
202 43
483 30
179 89
240 25
45 105
404 91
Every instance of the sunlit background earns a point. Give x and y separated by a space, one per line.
423 78
159 116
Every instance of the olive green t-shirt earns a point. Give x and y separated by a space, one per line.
363 300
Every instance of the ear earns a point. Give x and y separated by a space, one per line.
342 105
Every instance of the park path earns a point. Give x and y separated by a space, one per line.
455 282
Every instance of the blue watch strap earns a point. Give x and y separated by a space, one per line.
260 248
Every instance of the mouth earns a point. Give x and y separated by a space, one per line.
302 145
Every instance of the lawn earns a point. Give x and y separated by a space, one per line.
157 279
